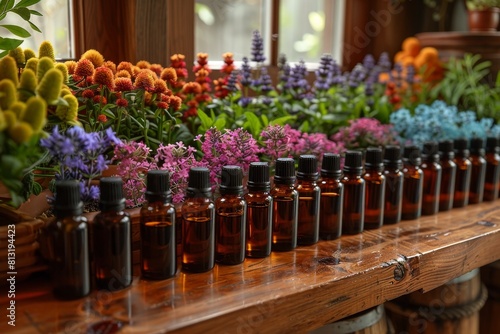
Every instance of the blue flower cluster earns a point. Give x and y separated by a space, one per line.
439 122
80 156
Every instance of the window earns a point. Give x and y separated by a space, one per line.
305 29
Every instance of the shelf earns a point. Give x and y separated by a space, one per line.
287 292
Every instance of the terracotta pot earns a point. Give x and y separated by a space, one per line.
483 20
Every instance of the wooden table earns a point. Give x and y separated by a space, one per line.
287 292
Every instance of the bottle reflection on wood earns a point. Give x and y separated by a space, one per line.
412 184
309 200
478 170
449 170
285 206
354 194
463 175
230 218
158 246
198 228
259 211
394 177
332 197
375 188
492 179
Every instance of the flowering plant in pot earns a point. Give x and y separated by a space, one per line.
483 15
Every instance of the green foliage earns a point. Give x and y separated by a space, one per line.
21 9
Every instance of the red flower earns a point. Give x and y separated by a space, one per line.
104 76
169 75
109 64
121 102
145 80
102 118
143 64
123 74
157 68
160 86
191 88
123 85
162 105
175 102
88 93
84 68
125 65
99 99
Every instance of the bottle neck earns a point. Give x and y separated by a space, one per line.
159 198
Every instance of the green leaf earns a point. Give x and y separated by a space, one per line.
265 120
6 5
9 43
34 27
282 120
205 120
253 123
26 3
4 53
34 12
220 123
23 12
18 31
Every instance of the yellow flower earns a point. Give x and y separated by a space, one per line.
18 55
35 113
70 65
8 69
31 64
7 94
18 108
21 132
44 65
10 118
50 86
64 70
46 50
27 85
28 54
94 56
70 112
3 122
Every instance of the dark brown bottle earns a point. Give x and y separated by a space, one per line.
285 206
259 211
112 238
230 218
309 197
158 246
67 237
375 188
492 179
432 176
412 184
478 170
332 198
448 175
393 172
198 228
354 194
463 175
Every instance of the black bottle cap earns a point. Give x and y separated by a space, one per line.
231 180
430 152
445 149
308 167
412 155
199 182
67 198
285 171
258 177
392 156
477 146
111 194
330 167
493 144
158 184
373 159
461 147
353 162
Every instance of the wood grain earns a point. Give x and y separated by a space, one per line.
287 292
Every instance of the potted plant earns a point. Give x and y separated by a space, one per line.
483 15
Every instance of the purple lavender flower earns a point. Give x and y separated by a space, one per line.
246 73
369 62
231 81
257 47
324 73
265 80
410 74
297 78
384 62
282 61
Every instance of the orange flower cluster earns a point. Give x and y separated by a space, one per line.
220 85
425 60
197 92
178 63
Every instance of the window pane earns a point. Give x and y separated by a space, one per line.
226 26
54 23
310 28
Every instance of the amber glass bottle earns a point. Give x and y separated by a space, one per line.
158 246
332 197
432 176
393 172
449 170
309 197
259 211
230 218
67 237
492 179
198 228
112 238
412 184
478 171
375 188
285 206
463 175
354 194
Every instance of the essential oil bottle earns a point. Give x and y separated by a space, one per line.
67 237
259 211
432 176
449 171
332 197
112 238
412 184
230 218
375 188
463 175
393 172
478 170
198 228
309 200
492 179
354 194
158 246
285 206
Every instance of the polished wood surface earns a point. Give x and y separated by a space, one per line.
287 292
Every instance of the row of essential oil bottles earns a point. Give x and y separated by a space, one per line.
298 209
